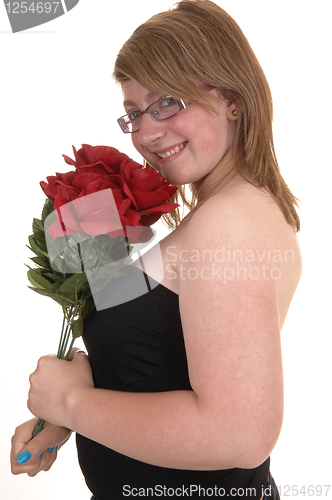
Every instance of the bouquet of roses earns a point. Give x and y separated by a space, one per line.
90 220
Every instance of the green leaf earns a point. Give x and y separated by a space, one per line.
77 328
37 225
38 228
88 307
86 292
37 280
110 249
41 261
71 254
32 281
40 278
40 240
74 284
56 278
47 209
39 233
36 248
99 278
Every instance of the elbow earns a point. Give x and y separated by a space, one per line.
257 453
248 444
256 445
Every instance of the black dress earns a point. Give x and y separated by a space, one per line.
138 346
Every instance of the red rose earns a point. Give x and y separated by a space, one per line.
140 194
63 188
98 213
97 156
148 190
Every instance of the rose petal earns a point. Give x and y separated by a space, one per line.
150 199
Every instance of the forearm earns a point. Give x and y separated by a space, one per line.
236 426
167 429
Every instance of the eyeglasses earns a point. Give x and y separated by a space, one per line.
160 110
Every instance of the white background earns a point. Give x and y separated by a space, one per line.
57 91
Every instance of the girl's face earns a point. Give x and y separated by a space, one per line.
198 137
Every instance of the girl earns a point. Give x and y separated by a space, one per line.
182 392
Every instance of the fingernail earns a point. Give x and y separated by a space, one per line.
50 450
56 448
23 457
41 456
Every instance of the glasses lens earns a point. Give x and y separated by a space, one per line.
126 124
165 108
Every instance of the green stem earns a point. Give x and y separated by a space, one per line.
63 342
62 349
80 256
65 336
70 348
38 427
62 332
127 245
73 313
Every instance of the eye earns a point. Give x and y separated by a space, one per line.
134 115
168 102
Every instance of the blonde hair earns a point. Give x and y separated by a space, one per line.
197 41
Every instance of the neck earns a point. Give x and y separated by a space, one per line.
217 179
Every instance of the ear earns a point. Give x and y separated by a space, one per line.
233 111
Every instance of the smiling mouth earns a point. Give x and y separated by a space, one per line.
172 152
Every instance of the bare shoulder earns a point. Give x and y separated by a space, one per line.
243 231
242 210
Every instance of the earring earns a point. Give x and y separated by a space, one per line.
234 112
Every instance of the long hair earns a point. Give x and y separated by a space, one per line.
197 42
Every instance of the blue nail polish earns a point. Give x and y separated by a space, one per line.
56 448
50 450
41 456
24 457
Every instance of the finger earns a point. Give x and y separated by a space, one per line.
34 465
24 463
30 468
75 352
50 457
23 434
47 460
30 452
41 459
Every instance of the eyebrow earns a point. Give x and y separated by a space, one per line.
150 95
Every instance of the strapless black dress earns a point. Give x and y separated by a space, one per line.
138 346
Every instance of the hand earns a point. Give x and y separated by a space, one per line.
55 384
23 446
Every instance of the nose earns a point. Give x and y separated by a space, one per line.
150 130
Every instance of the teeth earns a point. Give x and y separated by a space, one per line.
172 152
